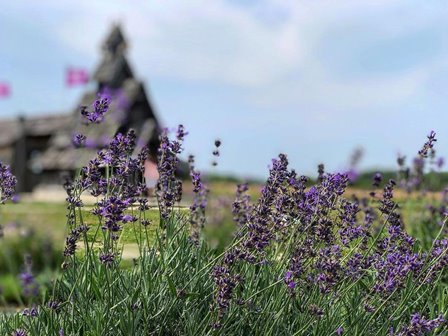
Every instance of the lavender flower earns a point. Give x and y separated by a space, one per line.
19 332
428 146
7 183
79 140
328 268
54 305
393 271
241 207
321 172
72 239
30 312
377 178
169 187
290 283
419 325
225 284
30 287
260 232
100 107
112 210
439 255
107 259
197 209
350 228
216 150
316 311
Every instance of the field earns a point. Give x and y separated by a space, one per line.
291 256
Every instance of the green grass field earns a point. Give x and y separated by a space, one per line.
38 222
49 219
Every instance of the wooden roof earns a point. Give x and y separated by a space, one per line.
11 129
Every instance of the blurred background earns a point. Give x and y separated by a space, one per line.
313 79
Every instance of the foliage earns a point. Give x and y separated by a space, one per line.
304 260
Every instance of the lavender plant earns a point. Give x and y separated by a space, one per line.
304 260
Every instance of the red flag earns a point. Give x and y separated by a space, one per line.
5 90
76 77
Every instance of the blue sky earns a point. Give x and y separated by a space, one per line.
314 79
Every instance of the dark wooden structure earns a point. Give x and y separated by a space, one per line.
39 149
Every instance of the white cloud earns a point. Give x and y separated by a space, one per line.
267 50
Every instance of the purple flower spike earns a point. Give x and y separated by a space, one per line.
428 145
19 332
377 178
419 325
30 287
169 187
197 213
79 140
7 183
100 107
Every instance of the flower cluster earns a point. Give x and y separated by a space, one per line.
79 140
225 283
377 178
242 207
72 239
217 145
30 312
394 270
169 187
305 259
100 107
412 178
419 325
112 211
428 147
30 288
216 152
329 239
115 177
7 183
197 209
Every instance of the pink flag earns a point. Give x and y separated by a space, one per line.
5 90
76 77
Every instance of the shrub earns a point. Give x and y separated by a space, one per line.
304 261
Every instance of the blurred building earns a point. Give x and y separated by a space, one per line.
39 149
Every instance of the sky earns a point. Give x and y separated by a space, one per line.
313 79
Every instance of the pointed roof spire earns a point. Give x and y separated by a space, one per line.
115 41
114 68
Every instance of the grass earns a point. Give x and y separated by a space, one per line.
131 233
49 219
45 218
